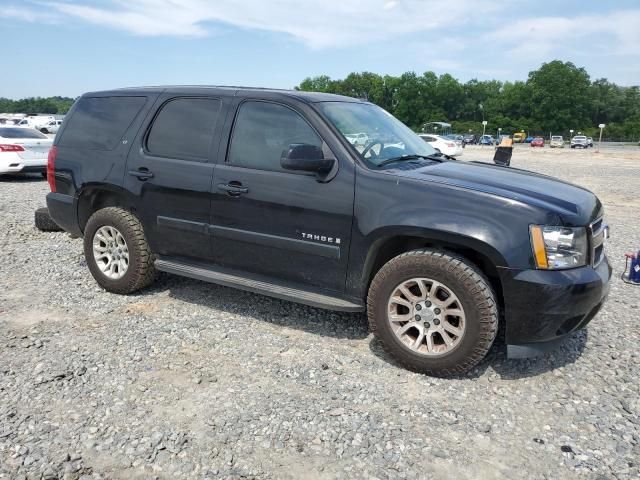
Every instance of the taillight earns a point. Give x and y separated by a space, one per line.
51 167
11 148
451 144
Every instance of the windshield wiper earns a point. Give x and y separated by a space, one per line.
406 157
440 156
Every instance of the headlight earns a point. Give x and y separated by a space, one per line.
559 247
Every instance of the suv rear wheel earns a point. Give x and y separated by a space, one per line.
117 251
434 312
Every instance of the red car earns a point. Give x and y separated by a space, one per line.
537 142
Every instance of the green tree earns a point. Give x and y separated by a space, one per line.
560 96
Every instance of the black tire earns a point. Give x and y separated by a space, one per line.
44 130
141 271
44 175
44 222
470 286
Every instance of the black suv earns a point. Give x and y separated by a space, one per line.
262 190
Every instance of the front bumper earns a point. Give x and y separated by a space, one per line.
543 306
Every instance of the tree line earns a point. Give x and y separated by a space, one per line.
50 105
556 98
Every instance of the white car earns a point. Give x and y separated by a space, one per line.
23 150
445 145
357 139
52 126
557 141
36 121
579 141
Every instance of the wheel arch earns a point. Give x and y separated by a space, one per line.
482 255
97 196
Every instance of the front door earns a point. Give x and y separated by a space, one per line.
274 222
169 172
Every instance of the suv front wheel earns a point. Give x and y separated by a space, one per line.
117 251
434 312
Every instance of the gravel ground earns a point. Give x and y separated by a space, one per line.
192 380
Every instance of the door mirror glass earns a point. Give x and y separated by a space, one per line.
306 158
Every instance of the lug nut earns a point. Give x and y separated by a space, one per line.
437 311
418 318
427 325
427 303
418 307
436 321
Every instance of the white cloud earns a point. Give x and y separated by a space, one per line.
317 23
27 14
615 33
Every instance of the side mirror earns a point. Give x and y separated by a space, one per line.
306 158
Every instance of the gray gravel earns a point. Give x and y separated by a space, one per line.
192 380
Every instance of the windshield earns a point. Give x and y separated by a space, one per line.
375 134
556 138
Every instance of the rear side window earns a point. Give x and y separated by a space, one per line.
184 128
99 123
263 132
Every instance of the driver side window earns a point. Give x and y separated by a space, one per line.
263 131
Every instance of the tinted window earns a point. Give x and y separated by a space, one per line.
263 131
99 123
184 128
20 133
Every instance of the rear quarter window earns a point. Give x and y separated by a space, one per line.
99 123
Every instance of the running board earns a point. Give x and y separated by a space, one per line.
256 284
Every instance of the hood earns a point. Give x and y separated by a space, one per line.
575 205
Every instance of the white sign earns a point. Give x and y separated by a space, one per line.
484 122
601 125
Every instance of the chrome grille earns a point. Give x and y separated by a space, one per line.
598 232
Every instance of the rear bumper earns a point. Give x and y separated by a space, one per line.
542 307
13 163
63 210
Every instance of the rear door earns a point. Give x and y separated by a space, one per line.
169 171
278 223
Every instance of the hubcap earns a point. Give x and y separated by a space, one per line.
110 252
426 316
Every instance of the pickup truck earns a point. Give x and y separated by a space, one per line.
262 190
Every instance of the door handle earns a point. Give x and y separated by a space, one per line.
233 188
142 173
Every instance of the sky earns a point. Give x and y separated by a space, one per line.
68 47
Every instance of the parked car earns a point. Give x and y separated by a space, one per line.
529 139
589 141
556 141
486 140
51 126
459 139
519 137
538 142
36 121
23 150
579 141
357 139
469 139
277 201
442 144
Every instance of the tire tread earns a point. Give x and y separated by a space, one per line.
475 282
